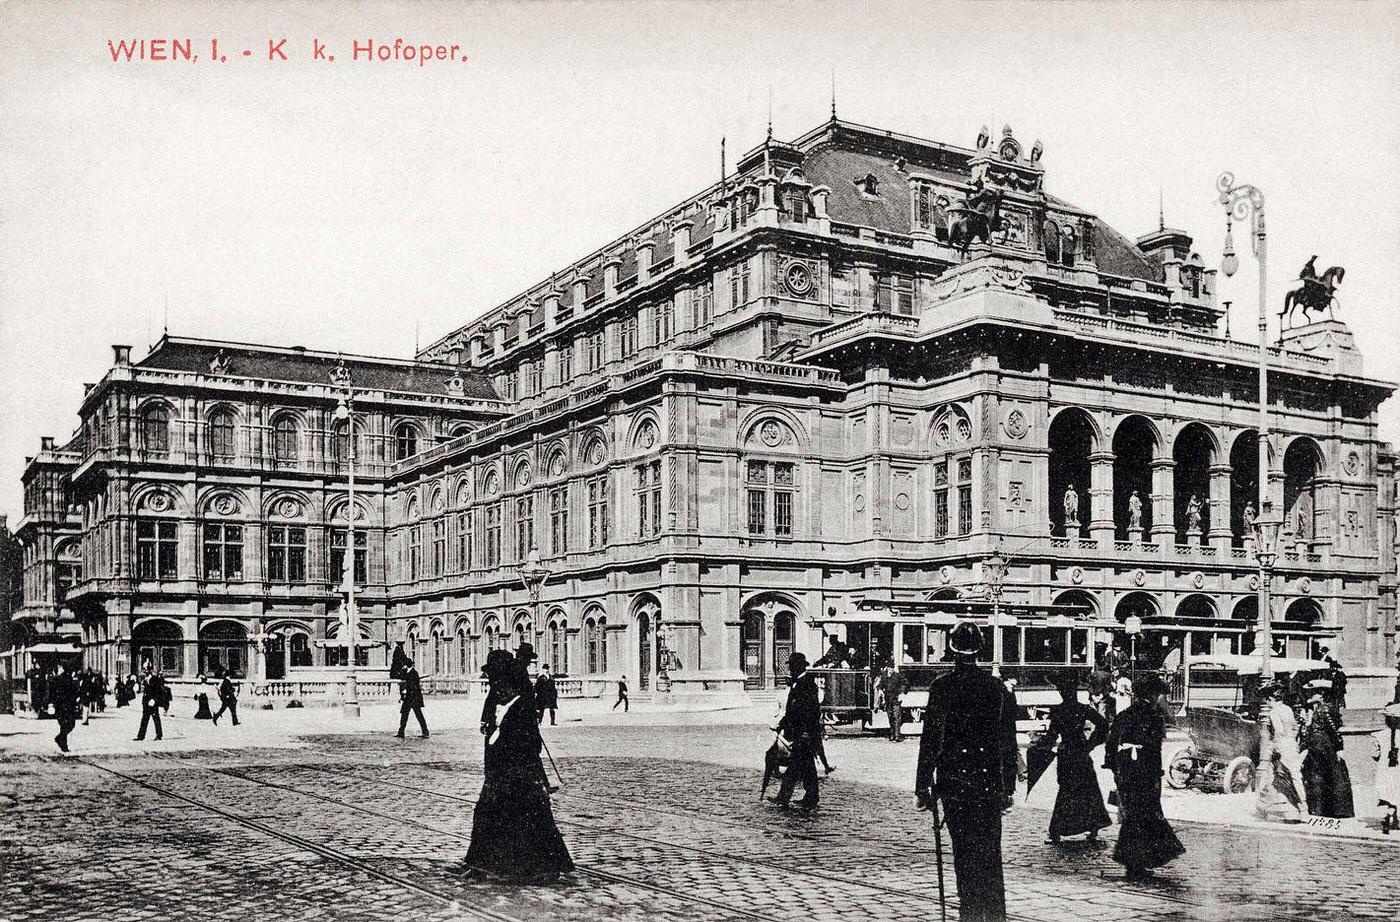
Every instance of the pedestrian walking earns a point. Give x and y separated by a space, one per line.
801 726
201 699
892 685
1325 775
1287 761
821 737
228 699
546 696
154 694
65 698
514 837
1337 698
1079 729
1388 765
622 695
1134 753
967 761
411 698
398 662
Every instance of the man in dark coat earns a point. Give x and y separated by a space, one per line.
228 699
967 760
411 698
892 684
396 664
65 697
153 698
546 696
802 727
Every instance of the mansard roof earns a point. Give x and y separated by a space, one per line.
306 366
834 154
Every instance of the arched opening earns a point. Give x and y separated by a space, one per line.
1304 612
594 646
464 652
222 425
1302 463
556 645
405 441
159 643
784 634
751 649
1081 599
1136 604
155 429
1196 606
644 645
1134 447
1193 452
523 632
1071 443
284 440
223 649
1244 485
436 664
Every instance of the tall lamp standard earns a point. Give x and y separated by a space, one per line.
663 658
994 570
534 574
345 412
1246 202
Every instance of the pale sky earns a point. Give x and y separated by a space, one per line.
361 206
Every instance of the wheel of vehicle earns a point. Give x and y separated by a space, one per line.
1181 769
1239 775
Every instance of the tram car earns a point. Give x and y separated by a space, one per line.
1036 642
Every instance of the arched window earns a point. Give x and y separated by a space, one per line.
340 444
159 643
595 647
557 650
284 440
221 435
405 441
155 429
463 652
299 648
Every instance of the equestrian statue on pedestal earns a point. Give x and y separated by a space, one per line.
975 218
1315 294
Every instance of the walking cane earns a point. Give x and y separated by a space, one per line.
552 765
938 859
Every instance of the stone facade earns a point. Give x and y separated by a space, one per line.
810 391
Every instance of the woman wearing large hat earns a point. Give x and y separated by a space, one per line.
1134 753
1079 729
514 837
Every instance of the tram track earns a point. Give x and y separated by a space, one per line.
580 867
447 900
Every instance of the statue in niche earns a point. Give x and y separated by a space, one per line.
1071 506
1300 519
1193 513
1251 518
1134 511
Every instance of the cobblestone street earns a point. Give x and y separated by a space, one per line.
370 827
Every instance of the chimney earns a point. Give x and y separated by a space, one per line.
46 443
551 309
680 241
580 292
121 356
611 268
645 249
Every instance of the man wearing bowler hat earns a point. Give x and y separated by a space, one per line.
802 726
967 760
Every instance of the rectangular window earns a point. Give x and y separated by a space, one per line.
559 520
843 288
593 351
223 552
663 317
533 383
439 548
564 363
648 488
770 497
704 303
743 283
627 337
782 514
965 496
506 383
415 552
493 535
286 554
524 526
336 572
758 523
598 511
464 542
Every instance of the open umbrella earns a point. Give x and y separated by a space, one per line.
1038 759
774 761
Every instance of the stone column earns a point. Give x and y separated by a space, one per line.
1163 502
1101 524
1220 536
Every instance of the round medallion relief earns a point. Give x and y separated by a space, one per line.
901 501
1139 577
288 509
798 279
157 502
225 505
858 503
1254 583
945 574
1017 425
1305 585
771 434
1353 463
1076 575
1198 580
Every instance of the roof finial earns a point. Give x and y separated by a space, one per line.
165 319
1161 211
723 185
833 92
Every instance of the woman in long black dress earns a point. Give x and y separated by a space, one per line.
1079 804
1134 753
514 837
1325 776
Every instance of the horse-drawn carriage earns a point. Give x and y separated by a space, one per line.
1223 722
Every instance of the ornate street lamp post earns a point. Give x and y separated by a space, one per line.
1247 202
994 570
345 411
663 658
534 574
